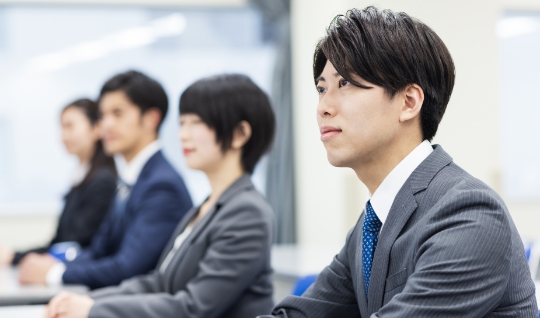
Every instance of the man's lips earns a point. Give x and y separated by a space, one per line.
328 132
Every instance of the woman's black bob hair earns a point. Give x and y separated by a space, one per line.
222 102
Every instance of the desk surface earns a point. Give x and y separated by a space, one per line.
12 293
22 311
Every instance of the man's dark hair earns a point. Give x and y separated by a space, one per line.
391 50
142 91
222 102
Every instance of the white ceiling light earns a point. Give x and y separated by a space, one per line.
511 27
171 25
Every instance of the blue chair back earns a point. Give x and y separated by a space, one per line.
303 283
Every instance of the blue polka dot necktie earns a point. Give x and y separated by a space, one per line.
370 236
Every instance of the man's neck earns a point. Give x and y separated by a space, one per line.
130 154
373 170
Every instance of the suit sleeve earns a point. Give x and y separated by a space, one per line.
144 284
332 294
96 201
235 255
157 215
462 264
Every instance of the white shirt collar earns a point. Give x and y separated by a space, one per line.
384 196
129 172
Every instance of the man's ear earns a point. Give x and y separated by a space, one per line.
413 96
151 118
241 135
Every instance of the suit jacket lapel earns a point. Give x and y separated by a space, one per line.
179 229
243 183
402 208
360 290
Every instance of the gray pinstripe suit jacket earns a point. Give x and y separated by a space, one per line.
448 248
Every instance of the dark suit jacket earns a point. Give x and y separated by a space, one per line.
84 209
448 248
221 270
157 202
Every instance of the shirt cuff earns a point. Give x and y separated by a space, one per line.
54 275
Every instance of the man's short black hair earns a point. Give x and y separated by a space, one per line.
391 50
222 102
142 91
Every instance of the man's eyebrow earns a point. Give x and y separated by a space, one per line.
322 79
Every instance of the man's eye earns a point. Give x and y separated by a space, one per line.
343 82
320 90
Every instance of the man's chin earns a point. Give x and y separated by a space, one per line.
112 149
337 161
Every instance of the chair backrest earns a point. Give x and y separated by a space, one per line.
302 284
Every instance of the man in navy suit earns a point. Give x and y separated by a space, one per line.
151 197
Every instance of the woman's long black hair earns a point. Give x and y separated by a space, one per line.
99 159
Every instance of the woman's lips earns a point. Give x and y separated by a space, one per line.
187 151
328 132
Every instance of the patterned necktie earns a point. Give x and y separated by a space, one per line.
119 206
370 235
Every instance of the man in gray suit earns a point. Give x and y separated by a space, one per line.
433 241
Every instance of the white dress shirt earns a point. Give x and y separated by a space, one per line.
180 239
127 171
384 196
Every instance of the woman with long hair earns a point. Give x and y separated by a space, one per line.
93 184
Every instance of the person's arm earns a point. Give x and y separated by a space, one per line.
96 198
158 213
331 295
18 256
236 254
144 284
463 263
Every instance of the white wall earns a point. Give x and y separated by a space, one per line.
329 198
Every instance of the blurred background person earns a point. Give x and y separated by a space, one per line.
94 181
150 201
217 263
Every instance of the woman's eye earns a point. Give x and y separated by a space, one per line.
343 82
320 90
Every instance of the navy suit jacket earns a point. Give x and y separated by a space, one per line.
157 202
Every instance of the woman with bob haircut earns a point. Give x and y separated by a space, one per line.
217 263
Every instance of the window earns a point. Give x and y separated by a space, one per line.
51 55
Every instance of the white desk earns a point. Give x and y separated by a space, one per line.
12 293
22 312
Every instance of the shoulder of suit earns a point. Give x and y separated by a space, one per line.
248 200
160 170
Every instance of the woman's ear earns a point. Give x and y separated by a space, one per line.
241 135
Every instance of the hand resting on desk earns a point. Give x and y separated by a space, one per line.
34 267
69 305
